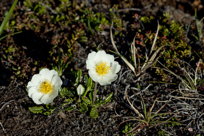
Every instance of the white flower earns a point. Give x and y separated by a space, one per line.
102 67
80 90
44 87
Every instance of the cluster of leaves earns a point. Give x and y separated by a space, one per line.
172 36
45 110
88 102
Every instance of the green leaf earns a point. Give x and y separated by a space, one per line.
86 100
83 107
78 77
7 17
91 95
68 101
70 108
108 99
89 83
36 109
94 112
49 112
64 92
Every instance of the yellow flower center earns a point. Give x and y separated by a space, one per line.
102 68
46 87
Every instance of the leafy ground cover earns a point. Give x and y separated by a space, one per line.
159 45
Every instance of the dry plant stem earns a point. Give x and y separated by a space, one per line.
95 92
6 103
116 49
134 109
134 51
128 9
151 58
189 79
2 127
152 107
187 98
155 39
171 72
196 71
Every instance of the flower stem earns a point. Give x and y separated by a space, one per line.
95 92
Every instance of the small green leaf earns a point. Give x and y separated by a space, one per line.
49 112
36 109
91 95
68 101
89 83
86 100
78 77
64 92
70 108
83 107
108 99
94 112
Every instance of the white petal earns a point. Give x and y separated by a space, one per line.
90 64
46 99
116 67
100 53
108 79
90 60
109 58
102 83
102 80
49 75
36 79
105 81
31 91
113 78
44 71
56 81
91 55
101 56
104 56
29 85
36 97
93 76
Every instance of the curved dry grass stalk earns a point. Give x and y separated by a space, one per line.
132 106
151 58
191 76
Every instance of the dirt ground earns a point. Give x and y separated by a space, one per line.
41 41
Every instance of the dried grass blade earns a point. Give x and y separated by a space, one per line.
116 49
171 72
133 51
155 39
148 63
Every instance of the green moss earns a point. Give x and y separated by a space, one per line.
127 128
172 36
116 18
93 21
146 19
